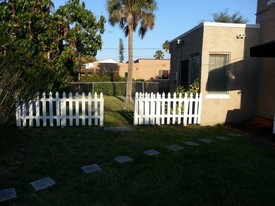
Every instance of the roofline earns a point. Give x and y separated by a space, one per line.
150 59
217 24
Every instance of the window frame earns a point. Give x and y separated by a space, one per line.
217 93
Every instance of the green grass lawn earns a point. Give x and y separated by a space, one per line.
232 172
117 113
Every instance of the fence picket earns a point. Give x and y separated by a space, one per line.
56 111
158 109
63 110
96 108
101 116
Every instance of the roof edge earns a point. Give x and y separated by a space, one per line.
217 24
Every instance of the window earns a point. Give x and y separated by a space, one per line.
126 74
217 74
185 73
195 68
163 74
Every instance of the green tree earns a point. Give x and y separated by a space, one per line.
224 17
159 54
128 15
165 46
38 47
121 51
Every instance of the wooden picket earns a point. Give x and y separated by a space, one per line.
157 109
77 110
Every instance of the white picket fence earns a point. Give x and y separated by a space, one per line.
156 109
71 110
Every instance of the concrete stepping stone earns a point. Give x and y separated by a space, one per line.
151 152
42 183
123 159
206 140
190 143
174 147
7 194
91 168
223 138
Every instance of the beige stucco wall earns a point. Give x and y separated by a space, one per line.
240 102
266 86
146 69
149 68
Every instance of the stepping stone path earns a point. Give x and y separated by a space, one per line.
206 140
10 193
7 194
190 143
42 183
151 152
123 159
91 168
174 147
223 138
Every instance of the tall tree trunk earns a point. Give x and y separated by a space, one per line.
129 98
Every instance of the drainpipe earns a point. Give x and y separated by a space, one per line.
179 43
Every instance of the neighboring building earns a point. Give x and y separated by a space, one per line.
266 53
151 69
235 86
143 69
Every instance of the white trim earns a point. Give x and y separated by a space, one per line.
269 2
218 24
217 96
236 25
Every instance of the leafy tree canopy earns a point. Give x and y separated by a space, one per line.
224 17
38 46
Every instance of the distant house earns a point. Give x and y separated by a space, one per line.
234 85
143 69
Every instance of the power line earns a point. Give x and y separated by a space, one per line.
110 48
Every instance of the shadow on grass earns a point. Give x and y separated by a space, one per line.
117 113
128 116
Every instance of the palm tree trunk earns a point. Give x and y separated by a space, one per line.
129 98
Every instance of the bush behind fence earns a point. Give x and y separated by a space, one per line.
118 88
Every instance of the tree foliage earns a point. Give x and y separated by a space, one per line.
159 54
224 17
165 46
121 51
129 15
38 46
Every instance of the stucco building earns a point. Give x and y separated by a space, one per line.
234 85
143 69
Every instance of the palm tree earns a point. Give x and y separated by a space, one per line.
128 14
159 54
165 46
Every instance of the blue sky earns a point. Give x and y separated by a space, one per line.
173 18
